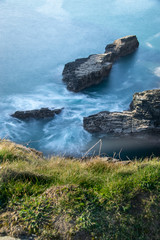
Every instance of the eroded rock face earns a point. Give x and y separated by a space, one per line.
147 105
85 72
36 114
143 117
121 47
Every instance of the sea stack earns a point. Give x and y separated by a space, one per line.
86 72
121 47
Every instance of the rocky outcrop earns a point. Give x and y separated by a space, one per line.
142 118
85 72
36 114
121 47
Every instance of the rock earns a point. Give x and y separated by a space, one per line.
147 105
86 72
142 118
36 114
121 47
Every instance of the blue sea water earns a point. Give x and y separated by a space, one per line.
38 37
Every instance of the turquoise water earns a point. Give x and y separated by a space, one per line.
38 37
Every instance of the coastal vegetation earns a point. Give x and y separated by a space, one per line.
59 198
62 89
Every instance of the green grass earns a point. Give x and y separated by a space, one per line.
60 198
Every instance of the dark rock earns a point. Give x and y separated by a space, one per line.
146 105
36 114
143 117
86 72
121 47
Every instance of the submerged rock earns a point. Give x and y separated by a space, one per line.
85 72
36 114
142 118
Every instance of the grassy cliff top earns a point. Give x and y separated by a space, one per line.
60 198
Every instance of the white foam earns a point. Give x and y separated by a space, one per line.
157 35
149 45
157 71
72 142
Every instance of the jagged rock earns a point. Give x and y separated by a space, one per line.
143 117
121 47
85 72
147 105
36 114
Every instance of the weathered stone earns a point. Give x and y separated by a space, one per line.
121 47
147 105
86 72
36 114
143 117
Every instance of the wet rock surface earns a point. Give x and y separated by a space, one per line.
42 113
85 72
142 118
